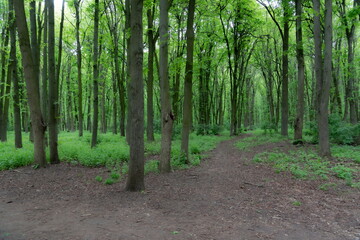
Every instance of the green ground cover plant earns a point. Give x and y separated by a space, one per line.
112 151
259 137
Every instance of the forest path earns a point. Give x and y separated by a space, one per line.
226 198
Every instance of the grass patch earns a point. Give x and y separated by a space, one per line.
257 139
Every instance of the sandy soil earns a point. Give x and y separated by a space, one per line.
226 197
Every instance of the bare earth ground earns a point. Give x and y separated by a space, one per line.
227 197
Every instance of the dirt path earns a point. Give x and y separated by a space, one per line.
225 198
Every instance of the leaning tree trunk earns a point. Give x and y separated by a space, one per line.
301 73
32 84
187 108
135 180
167 117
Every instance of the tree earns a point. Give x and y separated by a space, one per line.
135 180
15 79
53 87
323 73
301 73
95 75
187 107
32 84
167 117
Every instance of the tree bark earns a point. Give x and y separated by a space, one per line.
53 87
95 76
301 73
135 180
150 78
285 73
79 66
167 117
187 107
15 79
32 84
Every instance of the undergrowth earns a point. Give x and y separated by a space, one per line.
258 138
111 151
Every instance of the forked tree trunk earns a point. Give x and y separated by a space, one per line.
32 84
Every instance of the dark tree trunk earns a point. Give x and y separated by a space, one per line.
135 181
95 76
301 73
167 117
150 78
187 108
285 72
53 87
15 79
4 53
79 66
32 84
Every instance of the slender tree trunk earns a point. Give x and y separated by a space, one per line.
167 117
53 87
187 108
150 80
79 66
32 84
95 75
285 70
15 79
135 181
6 98
4 54
301 73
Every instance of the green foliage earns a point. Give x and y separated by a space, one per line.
109 181
297 203
340 132
98 178
258 139
203 129
343 172
346 153
151 166
11 158
327 186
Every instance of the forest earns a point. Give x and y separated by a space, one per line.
171 68
227 118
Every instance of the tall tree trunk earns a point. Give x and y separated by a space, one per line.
32 84
95 75
150 80
323 73
187 108
301 73
135 181
79 66
285 72
4 54
167 117
15 79
53 87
